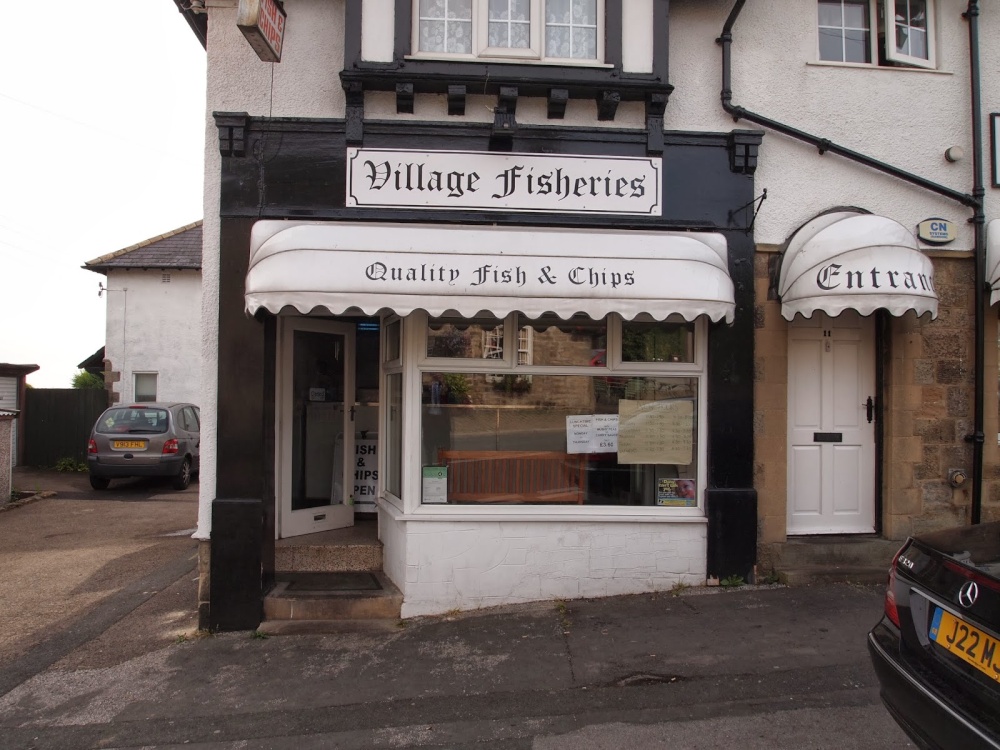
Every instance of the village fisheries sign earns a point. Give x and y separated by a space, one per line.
463 180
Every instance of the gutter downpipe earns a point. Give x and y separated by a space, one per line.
977 438
974 201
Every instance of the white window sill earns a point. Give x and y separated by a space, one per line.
871 66
509 61
523 513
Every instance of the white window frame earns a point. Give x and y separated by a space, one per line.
535 53
392 364
891 53
415 510
882 22
872 38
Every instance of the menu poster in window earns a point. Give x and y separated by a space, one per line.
676 493
656 432
592 433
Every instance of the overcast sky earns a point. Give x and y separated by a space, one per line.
102 110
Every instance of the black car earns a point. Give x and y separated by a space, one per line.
936 650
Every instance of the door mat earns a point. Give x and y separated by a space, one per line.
343 581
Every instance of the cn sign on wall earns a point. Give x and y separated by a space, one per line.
263 24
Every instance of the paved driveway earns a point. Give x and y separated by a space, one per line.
79 560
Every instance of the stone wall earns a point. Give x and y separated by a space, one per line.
770 419
929 408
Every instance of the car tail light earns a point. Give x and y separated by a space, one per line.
92 446
171 446
972 575
890 596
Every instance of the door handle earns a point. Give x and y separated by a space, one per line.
870 408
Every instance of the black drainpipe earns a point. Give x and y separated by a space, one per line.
977 437
974 201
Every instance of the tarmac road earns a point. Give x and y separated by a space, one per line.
105 655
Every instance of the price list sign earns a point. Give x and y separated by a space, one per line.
656 432
592 433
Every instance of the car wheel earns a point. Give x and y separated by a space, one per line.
99 483
183 478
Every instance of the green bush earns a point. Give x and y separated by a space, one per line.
70 464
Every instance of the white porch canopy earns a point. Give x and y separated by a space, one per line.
851 260
472 269
993 259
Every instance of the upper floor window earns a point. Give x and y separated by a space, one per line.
549 30
884 32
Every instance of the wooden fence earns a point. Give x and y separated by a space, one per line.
57 423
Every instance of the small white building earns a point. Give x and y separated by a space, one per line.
153 292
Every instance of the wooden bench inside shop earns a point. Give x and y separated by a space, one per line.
514 476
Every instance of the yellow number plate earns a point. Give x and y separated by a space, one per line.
969 644
129 445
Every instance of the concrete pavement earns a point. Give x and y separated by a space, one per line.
118 663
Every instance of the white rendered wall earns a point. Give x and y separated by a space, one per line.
155 327
306 83
905 117
470 565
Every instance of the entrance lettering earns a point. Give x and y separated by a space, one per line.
835 276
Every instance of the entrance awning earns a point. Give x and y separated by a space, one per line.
471 269
993 259
848 260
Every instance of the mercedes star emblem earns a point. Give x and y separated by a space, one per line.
968 594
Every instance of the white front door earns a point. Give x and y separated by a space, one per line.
831 430
315 424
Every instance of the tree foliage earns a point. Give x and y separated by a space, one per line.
84 379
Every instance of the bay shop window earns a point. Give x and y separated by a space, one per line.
547 411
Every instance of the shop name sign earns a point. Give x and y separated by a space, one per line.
477 180
263 24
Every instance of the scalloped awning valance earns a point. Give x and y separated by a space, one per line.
993 259
851 260
469 269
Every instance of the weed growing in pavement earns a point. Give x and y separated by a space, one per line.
771 579
679 588
732 581
564 622
181 639
259 635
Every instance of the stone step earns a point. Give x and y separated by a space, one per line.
356 548
328 627
833 552
809 574
324 558
332 597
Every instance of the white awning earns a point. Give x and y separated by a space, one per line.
471 269
848 260
993 259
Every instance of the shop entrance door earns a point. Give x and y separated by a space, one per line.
831 429
315 393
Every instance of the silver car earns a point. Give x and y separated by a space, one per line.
145 440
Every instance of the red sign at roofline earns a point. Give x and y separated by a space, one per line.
263 24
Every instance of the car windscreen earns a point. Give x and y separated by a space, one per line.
133 421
